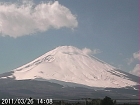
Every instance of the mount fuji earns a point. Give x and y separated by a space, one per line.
70 67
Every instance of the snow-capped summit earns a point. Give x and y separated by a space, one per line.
70 64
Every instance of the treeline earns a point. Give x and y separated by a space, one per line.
86 101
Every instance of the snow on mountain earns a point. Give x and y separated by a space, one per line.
70 64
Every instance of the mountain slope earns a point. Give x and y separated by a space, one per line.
44 89
70 64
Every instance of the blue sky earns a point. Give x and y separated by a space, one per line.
31 28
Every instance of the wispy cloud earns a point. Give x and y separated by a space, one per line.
89 51
136 70
136 55
96 51
120 66
27 18
129 60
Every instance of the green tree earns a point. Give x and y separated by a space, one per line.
96 101
107 101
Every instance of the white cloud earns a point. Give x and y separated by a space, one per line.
96 51
136 70
129 60
86 51
89 51
136 55
27 18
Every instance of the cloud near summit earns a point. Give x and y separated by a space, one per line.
89 51
27 18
